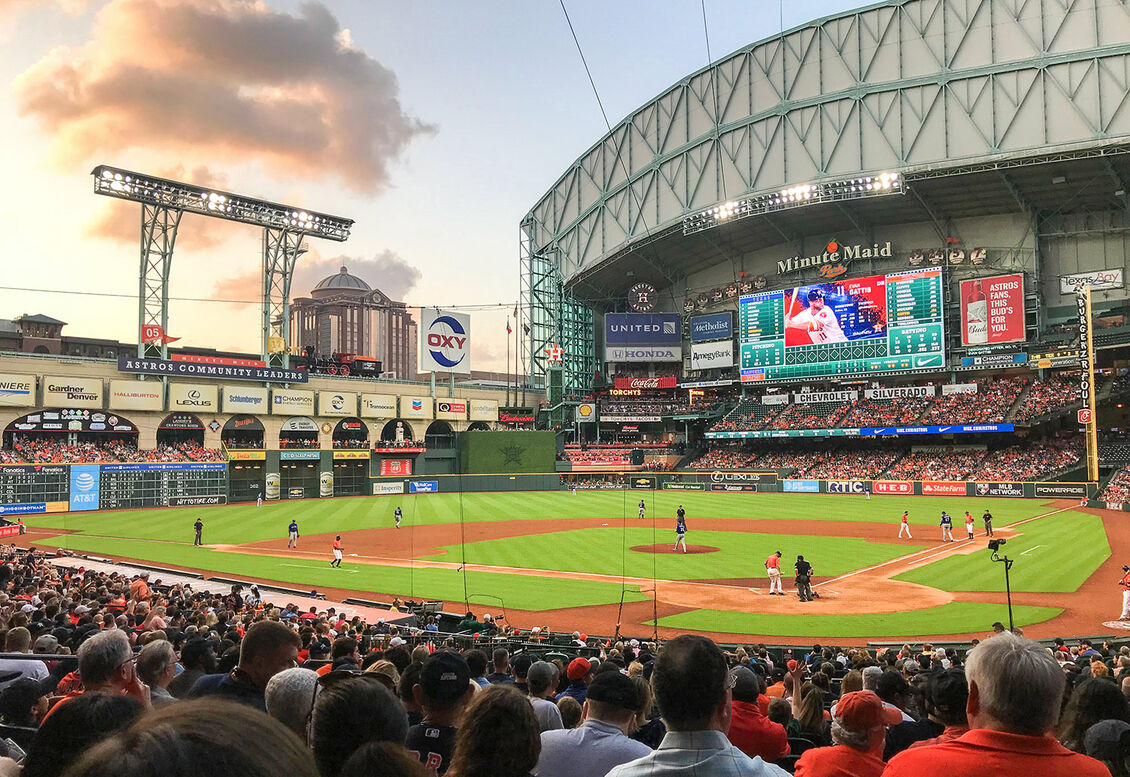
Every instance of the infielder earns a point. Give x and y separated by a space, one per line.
337 553
293 531
399 514
969 524
1124 584
642 508
947 527
904 526
988 519
773 567
680 533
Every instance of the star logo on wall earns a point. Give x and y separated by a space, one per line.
512 454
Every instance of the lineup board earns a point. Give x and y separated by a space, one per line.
858 326
34 486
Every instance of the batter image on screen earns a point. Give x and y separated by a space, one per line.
835 312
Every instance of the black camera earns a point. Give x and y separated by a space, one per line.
995 544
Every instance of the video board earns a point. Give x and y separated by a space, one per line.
853 326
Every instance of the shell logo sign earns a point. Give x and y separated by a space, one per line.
586 412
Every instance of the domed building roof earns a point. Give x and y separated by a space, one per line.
342 281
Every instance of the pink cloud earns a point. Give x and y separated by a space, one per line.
227 80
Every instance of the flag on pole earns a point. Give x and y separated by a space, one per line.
525 329
515 311
508 329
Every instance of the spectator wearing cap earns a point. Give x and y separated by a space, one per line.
318 653
521 667
892 689
1109 741
601 741
750 731
23 702
18 640
1015 691
501 660
776 689
157 666
443 693
46 644
541 680
859 729
268 648
692 687
198 659
579 673
946 696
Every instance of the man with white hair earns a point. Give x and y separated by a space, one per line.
859 730
290 697
106 665
1015 690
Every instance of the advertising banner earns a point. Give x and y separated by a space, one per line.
743 477
586 412
292 402
194 501
958 388
181 421
892 487
338 403
867 431
901 391
628 418
299 425
643 354
23 509
775 399
244 399
994 360
1097 279
825 396
643 482
483 409
684 486
707 383
387 488
296 493
72 392
416 407
167 466
643 329
194 397
1061 490
802 486
84 487
733 487
712 355
299 455
220 371
716 326
666 382
395 467
247 455
451 409
137 395
846 486
378 406
943 488
999 489
992 310
445 341
351 455
17 390
514 415
423 487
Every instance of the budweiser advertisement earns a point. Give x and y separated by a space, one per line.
943 487
892 487
992 310
668 382
396 467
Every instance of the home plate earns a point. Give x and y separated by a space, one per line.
1124 625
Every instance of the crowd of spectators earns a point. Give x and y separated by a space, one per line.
1053 395
139 679
351 443
937 464
299 442
406 443
989 405
50 450
1027 462
817 415
1117 491
726 457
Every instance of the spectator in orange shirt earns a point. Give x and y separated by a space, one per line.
859 731
777 689
750 731
1015 690
139 588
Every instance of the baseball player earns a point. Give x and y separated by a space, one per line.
292 530
818 320
773 568
259 500
642 508
574 488
969 524
337 553
947 527
988 519
681 514
680 533
399 514
1124 584
904 525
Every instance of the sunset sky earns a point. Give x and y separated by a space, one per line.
434 125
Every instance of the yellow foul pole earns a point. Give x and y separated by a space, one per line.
1087 415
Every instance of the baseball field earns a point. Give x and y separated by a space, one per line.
588 562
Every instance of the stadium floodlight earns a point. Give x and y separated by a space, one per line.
161 192
861 187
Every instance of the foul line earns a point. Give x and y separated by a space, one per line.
1025 553
307 566
936 552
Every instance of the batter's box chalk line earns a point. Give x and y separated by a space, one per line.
1123 625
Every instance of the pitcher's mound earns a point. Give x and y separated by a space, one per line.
663 547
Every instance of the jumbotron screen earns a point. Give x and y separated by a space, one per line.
856 326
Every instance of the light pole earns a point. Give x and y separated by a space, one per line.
994 545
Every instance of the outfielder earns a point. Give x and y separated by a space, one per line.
642 508
773 567
680 533
398 515
947 527
904 526
292 542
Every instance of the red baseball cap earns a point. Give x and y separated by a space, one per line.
578 668
863 711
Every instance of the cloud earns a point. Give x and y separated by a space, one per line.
118 220
223 80
386 271
11 7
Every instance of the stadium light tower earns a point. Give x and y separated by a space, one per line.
163 202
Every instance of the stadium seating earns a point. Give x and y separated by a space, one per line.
53 451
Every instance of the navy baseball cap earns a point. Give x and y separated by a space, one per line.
445 678
815 294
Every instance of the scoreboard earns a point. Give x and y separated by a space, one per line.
46 488
874 324
162 484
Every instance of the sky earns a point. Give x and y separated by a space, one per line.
434 125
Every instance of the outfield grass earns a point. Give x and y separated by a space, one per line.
608 551
1054 554
952 618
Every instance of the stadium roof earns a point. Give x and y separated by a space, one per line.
39 318
343 280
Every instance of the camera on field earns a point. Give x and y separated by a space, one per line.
995 544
